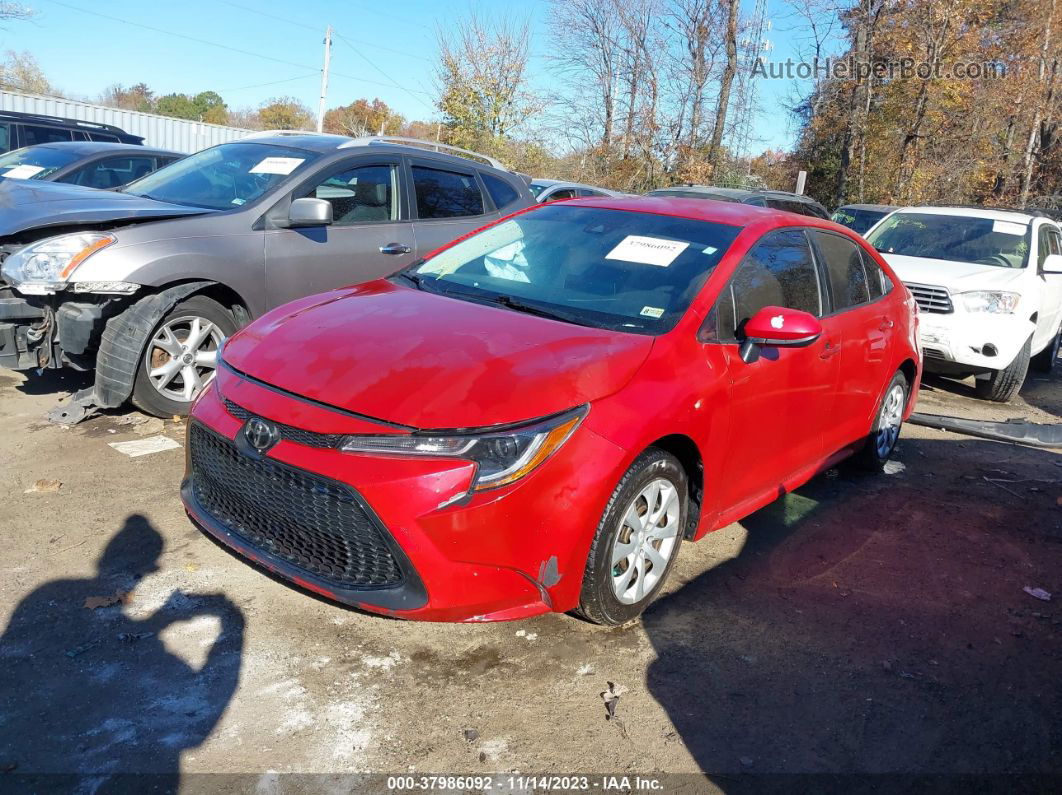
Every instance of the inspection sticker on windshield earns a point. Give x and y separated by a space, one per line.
647 250
651 311
278 165
1008 228
22 172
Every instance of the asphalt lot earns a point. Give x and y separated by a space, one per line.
859 625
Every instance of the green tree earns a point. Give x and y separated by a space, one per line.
284 113
212 108
180 106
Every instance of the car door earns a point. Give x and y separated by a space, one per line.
1050 317
781 403
447 201
865 329
110 172
370 236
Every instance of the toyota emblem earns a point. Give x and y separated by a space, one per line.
261 434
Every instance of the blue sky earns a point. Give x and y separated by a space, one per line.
382 50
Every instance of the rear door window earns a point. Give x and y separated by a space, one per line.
844 263
33 135
112 172
563 193
778 271
6 143
501 192
446 194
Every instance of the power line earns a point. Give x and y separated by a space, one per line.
227 47
411 91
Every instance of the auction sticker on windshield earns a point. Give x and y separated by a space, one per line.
22 172
647 250
278 165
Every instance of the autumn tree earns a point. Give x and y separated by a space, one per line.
137 97
364 117
285 113
482 71
21 72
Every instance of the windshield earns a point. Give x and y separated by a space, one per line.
958 238
222 177
614 269
536 188
858 220
34 162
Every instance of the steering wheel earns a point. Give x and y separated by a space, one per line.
995 259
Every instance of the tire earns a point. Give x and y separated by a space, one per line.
170 398
600 600
1003 385
1044 361
885 433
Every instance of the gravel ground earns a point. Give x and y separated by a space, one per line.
859 625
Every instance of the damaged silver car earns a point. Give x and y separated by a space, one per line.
143 285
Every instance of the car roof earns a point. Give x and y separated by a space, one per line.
992 213
739 194
313 142
731 213
549 182
883 207
96 147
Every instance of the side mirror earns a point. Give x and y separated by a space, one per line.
309 212
1053 263
778 327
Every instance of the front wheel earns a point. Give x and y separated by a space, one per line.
1003 385
181 356
886 431
637 540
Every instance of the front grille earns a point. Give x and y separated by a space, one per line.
930 298
305 520
289 432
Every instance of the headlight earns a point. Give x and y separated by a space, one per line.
998 303
48 264
501 456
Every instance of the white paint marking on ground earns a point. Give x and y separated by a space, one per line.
153 444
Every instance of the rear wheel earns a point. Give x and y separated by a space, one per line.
1003 385
1046 359
637 540
886 431
181 356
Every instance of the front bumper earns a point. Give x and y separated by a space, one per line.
496 555
48 332
963 341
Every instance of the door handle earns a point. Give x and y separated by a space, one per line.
395 248
830 350
886 325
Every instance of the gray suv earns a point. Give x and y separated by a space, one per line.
144 284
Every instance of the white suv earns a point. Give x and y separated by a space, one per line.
989 289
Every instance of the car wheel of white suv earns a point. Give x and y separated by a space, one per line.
1003 385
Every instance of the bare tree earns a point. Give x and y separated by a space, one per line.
725 83
1047 76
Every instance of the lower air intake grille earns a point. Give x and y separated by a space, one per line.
298 517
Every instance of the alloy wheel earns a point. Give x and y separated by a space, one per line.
889 421
182 357
646 540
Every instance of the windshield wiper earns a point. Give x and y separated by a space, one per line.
413 278
533 309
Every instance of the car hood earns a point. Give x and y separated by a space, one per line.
427 361
957 277
32 204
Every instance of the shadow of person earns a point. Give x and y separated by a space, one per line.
92 696
873 632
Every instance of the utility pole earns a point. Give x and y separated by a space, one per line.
324 78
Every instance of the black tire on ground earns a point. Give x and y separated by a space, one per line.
1003 385
870 458
598 602
1045 361
148 399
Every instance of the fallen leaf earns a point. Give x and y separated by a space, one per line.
118 597
44 486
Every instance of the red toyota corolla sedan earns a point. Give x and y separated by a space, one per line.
536 416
